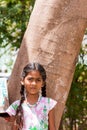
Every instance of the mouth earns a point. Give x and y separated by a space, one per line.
33 88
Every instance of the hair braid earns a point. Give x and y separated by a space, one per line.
19 112
44 90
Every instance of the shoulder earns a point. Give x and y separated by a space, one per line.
17 102
13 107
50 102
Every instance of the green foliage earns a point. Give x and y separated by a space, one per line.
76 105
14 17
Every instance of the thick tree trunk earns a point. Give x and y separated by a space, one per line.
53 38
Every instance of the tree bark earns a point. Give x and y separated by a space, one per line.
53 38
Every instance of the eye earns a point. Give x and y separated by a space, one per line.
39 80
30 79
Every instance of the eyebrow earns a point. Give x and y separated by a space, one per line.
34 77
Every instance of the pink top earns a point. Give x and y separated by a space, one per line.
35 116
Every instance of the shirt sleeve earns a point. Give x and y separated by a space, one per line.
12 108
52 103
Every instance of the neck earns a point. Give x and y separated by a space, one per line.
32 98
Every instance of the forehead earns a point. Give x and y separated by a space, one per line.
34 73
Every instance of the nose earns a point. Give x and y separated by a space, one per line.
34 82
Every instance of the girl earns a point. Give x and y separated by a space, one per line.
34 111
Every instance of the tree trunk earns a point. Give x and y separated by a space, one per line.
53 38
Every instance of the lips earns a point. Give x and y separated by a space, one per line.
33 88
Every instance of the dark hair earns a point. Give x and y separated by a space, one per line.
29 67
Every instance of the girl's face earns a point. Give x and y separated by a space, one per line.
33 82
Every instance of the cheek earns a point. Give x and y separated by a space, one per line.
26 82
27 85
41 85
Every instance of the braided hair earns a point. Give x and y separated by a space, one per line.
19 112
29 67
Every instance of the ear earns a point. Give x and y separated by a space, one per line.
43 84
22 83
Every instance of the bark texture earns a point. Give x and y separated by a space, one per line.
53 38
